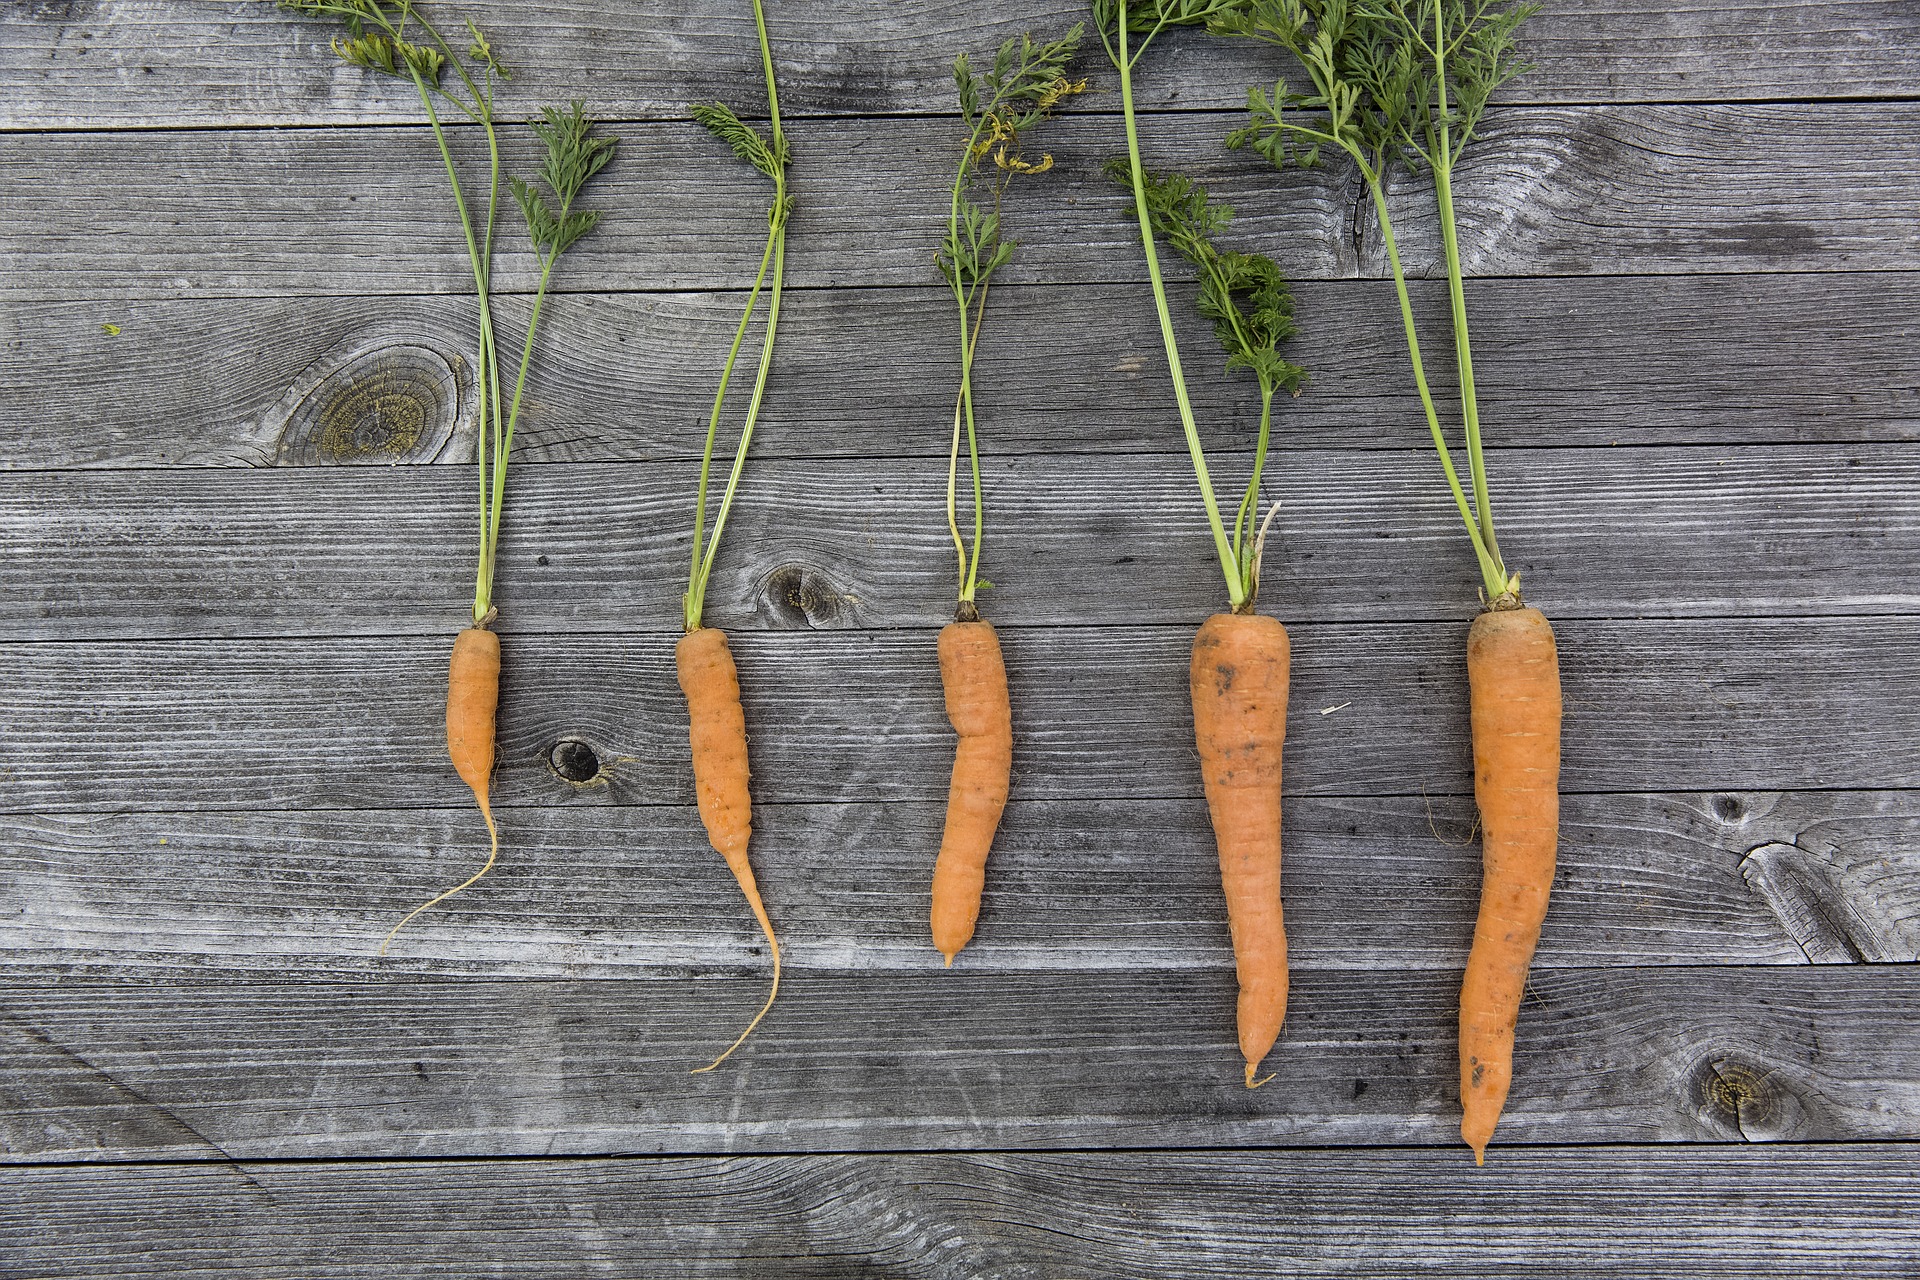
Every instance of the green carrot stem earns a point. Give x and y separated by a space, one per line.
713 419
746 430
1491 571
1243 520
963 411
1236 594
702 570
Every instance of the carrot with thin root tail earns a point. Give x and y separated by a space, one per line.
473 696
717 733
975 678
1239 685
1513 674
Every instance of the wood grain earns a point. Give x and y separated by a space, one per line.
1372 882
860 544
940 1060
1099 712
146 63
629 377
1550 191
1618 1213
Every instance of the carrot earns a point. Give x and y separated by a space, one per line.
394 38
473 696
1238 675
1408 84
1022 84
1239 687
975 679
716 725
1514 675
717 733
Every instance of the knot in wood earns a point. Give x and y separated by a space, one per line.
574 761
800 598
393 404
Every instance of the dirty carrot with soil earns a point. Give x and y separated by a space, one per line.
998 106
1239 670
393 37
716 723
1406 81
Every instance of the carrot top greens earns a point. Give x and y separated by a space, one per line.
1395 82
1243 294
999 106
770 155
392 37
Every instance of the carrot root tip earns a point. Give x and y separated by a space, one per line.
949 955
1255 1084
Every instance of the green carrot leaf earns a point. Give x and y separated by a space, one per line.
1244 294
746 141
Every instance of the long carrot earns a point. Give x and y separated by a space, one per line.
975 679
1238 676
717 733
1407 84
717 727
1514 674
1239 685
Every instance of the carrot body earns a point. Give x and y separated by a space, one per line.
473 699
717 733
1513 671
1239 686
975 679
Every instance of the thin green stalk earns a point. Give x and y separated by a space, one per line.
963 411
1442 161
1244 519
702 570
1490 570
746 430
719 400
483 583
1236 593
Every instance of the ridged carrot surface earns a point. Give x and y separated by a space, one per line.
1513 671
975 678
1239 685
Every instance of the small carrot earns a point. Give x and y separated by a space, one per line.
1239 685
1513 674
473 697
975 678
717 733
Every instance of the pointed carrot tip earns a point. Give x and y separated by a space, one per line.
949 955
1479 1154
1251 1082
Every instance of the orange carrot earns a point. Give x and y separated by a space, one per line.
717 732
473 696
975 679
1239 686
1513 672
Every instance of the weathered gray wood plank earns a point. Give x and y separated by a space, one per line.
942 1060
1582 1214
1101 712
169 63
1550 192
1725 878
858 544
623 377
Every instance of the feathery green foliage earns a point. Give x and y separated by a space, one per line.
1395 82
1243 294
1021 87
393 37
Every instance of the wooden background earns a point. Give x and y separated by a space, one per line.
224 626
